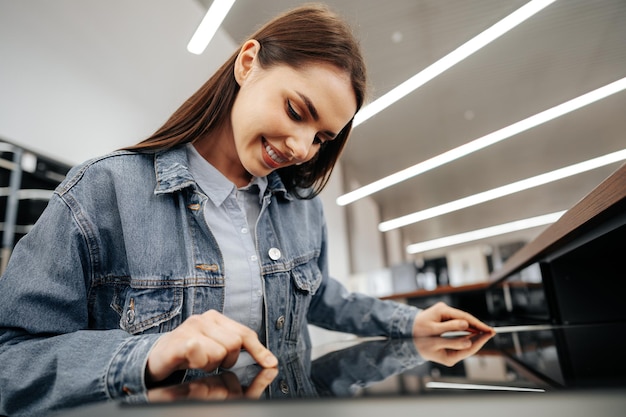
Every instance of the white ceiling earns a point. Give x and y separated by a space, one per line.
568 49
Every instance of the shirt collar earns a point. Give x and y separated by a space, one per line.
258 185
214 184
173 174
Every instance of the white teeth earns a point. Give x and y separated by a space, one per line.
273 155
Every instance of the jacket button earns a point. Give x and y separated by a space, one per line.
280 322
274 254
284 388
130 316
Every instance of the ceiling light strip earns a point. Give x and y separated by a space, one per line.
483 142
502 191
453 58
209 25
484 233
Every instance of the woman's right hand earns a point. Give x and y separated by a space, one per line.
206 342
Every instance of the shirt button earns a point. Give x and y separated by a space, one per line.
274 254
280 323
253 258
244 230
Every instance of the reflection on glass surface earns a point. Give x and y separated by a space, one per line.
539 359
583 356
345 372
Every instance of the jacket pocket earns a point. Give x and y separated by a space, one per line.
148 310
306 279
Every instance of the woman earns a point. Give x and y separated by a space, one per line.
203 240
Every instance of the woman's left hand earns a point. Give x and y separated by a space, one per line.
441 318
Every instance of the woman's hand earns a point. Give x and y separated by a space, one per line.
441 318
449 351
217 387
206 342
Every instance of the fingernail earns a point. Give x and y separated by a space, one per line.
270 360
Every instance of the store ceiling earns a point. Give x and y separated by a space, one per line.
136 50
566 50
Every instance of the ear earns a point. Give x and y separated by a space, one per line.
246 59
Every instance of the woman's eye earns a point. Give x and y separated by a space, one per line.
292 113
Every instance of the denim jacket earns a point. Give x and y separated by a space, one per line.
123 253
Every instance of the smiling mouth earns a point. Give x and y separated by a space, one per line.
271 156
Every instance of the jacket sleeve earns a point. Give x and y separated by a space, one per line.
335 308
49 356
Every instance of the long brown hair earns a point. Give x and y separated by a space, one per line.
302 36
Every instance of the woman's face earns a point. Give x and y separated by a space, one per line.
283 115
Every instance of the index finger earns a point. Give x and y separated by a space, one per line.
259 353
246 339
475 325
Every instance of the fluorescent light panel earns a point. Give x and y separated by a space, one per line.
485 141
453 58
484 233
502 191
455 385
209 25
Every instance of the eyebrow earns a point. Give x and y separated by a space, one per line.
314 113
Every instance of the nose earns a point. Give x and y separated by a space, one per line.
299 147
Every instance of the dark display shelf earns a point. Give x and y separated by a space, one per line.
27 181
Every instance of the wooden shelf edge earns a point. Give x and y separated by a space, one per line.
608 194
438 291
